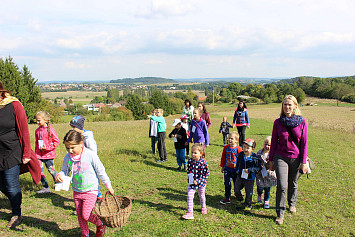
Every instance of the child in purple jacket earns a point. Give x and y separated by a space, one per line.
198 132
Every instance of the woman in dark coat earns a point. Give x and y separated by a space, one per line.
15 149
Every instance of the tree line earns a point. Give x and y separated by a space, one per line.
140 102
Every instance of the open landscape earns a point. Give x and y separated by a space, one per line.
326 201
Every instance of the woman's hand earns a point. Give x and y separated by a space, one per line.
304 168
58 178
25 161
271 165
195 183
222 170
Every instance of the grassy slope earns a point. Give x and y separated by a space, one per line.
326 201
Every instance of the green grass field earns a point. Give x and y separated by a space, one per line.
325 207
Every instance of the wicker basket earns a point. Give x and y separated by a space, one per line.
114 210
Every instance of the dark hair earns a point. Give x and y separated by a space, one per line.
187 100
2 90
244 105
204 110
73 136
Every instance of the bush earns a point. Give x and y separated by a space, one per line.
349 98
252 100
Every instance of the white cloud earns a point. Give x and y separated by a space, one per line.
73 65
154 62
171 8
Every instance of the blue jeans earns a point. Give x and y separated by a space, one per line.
153 141
266 194
180 157
228 176
10 186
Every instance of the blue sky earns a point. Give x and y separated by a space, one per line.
104 40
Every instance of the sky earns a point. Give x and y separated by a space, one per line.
86 40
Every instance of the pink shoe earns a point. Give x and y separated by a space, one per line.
188 216
204 211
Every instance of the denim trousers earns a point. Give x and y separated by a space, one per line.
153 141
228 176
180 157
266 192
10 186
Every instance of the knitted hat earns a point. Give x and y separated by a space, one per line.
250 142
78 122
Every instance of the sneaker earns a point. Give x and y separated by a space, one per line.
188 216
260 200
279 220
74 212
293 210
100 230
266 205
165 159
44 190
204 211
225 201
247 209
15 221
159 161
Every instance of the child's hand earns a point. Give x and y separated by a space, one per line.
58 178
43 148
186 143
271 165
222 170
195 183
148 116
111 191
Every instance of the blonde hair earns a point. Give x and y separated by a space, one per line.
47 117
234 134
297 111
160 111
200 148
267 139
198 110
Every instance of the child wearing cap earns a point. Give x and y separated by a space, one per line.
179 135
248 164
77 124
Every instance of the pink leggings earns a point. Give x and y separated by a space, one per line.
84 203
190 198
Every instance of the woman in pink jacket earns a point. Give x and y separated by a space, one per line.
45 149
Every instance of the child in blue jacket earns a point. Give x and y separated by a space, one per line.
248 164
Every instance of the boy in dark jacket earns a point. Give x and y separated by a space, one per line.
224 128
248 166
179 135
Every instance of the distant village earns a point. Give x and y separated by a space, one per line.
56 87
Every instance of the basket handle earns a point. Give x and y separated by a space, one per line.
114 196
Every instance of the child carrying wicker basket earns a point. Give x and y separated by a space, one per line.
85 166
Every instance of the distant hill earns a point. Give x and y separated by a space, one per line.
143 80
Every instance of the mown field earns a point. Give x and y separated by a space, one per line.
326 201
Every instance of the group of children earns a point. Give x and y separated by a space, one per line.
239 165
81 163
